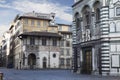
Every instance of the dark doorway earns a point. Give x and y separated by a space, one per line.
87 62
31 60
44 63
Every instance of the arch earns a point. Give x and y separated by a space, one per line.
76 15
86 8
31 60
97 3
112 27
44 62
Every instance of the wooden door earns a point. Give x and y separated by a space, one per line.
87 62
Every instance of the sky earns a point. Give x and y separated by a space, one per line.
10 8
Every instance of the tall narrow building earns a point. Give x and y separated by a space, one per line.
97 39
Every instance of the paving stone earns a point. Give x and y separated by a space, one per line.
12 74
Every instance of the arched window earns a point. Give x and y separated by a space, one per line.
97 14
77 20
112 27
97 10
44 62
86 16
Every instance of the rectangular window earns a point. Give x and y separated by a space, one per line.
67 43
38 23
32 22
25 21
115 59
62 43
112 27
112 47
68 62
68 52
62 61
60 28
44 41
44 24
118 47
24 41
54 42
118 27
32 41
65 35
115 47
62 51
118 11
25 30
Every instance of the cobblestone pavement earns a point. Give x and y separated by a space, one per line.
12 74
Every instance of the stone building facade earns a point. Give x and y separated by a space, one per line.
66 46
4 49
96 25
36 42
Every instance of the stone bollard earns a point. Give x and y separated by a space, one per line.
1 76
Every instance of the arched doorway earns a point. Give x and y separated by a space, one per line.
31 60
44 62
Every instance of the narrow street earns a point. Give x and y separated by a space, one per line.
12 74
